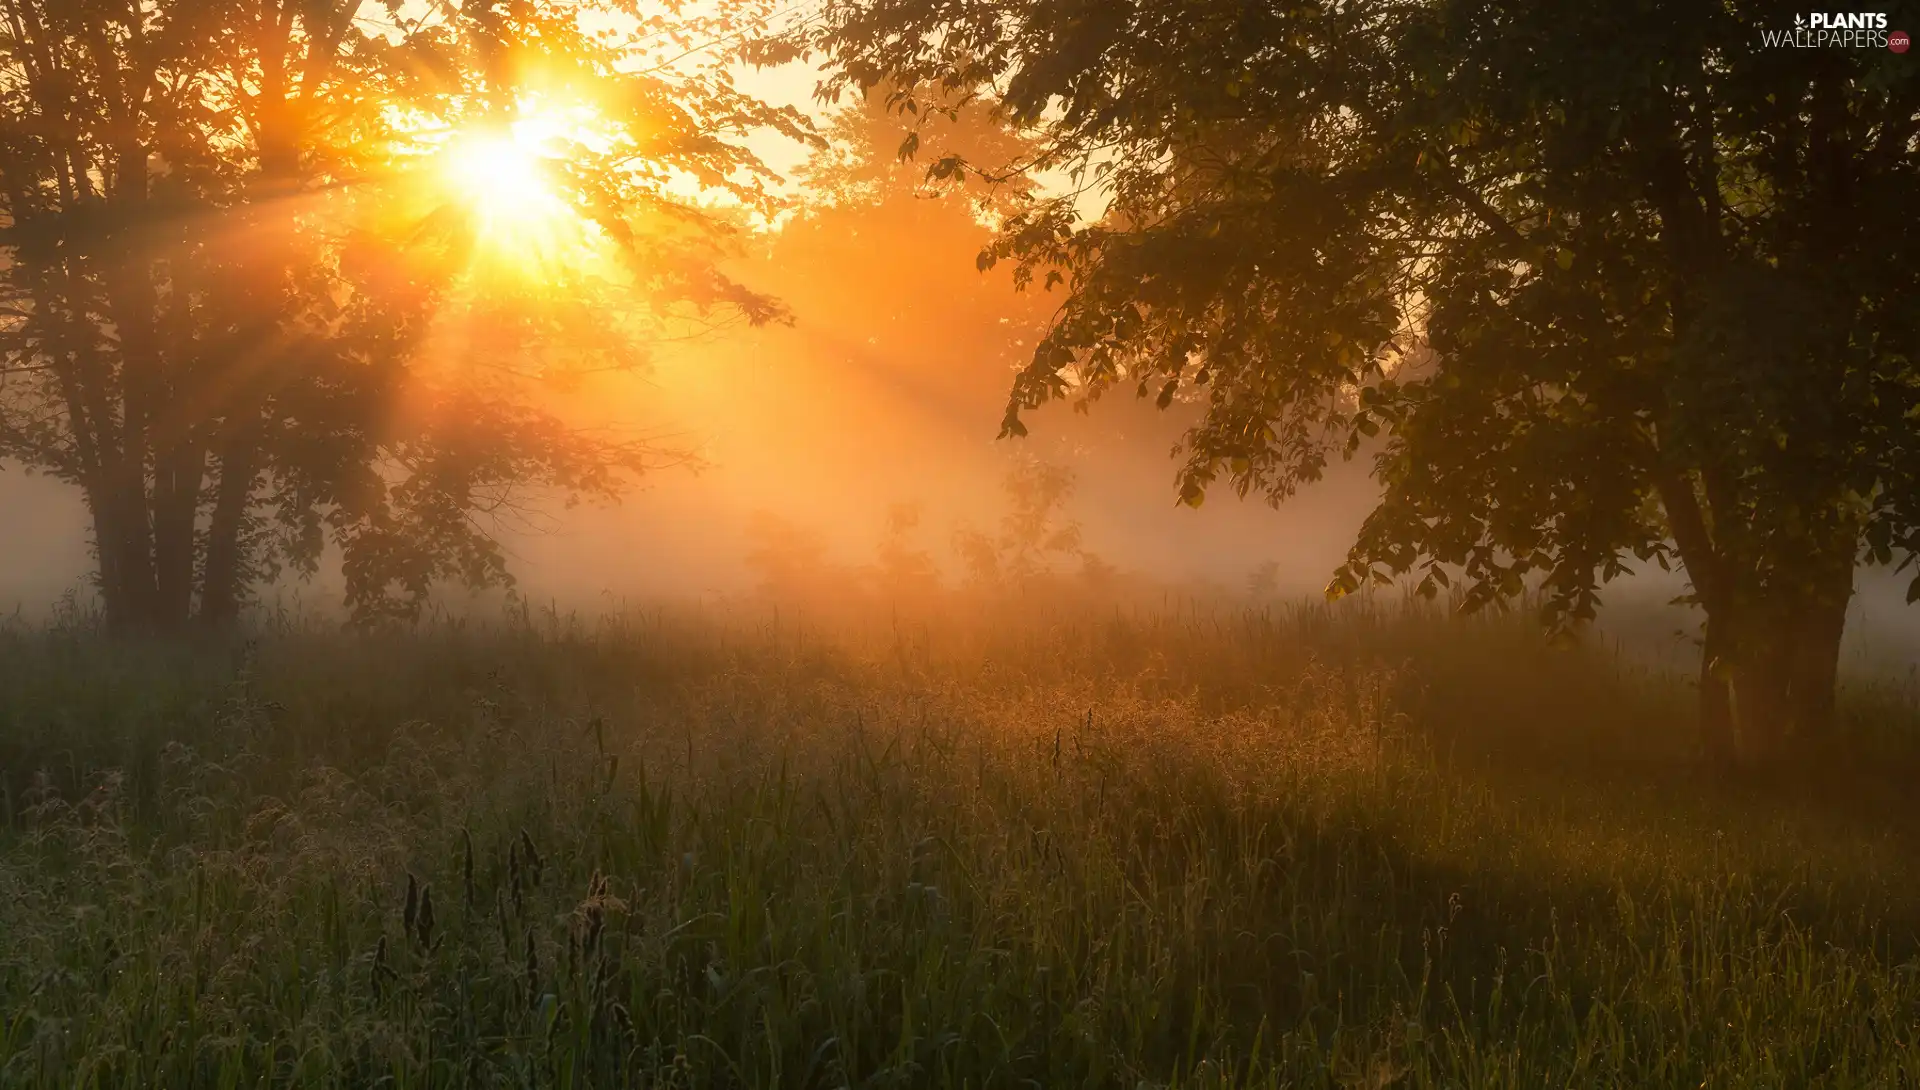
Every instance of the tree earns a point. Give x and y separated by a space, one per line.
902 570
1264 580
255 296
1595 284
1033 531
791 560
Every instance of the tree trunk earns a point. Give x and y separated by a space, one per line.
1718 733
121 538
176 507
222 588
1814 670
1781 652
1762 698
1776 608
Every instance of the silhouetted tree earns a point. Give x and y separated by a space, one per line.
1608 282
1034 532
1264 580
791 560
222 267
902 568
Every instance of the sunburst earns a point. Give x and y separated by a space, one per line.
511 184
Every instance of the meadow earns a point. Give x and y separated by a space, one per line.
1356 847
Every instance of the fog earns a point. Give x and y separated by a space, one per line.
886 389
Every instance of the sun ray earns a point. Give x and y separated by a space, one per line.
510 183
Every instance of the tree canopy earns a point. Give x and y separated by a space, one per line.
1597 286
268 270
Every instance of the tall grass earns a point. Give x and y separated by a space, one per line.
1304 848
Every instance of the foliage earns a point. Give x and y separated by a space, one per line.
902 568
1264 580
1033 533
872 146
789 559
1599 284
650 850
247 312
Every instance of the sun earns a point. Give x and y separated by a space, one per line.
503 176
511 186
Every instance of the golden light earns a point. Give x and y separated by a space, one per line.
502 175
509 184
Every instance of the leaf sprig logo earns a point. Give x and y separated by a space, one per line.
1837 30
